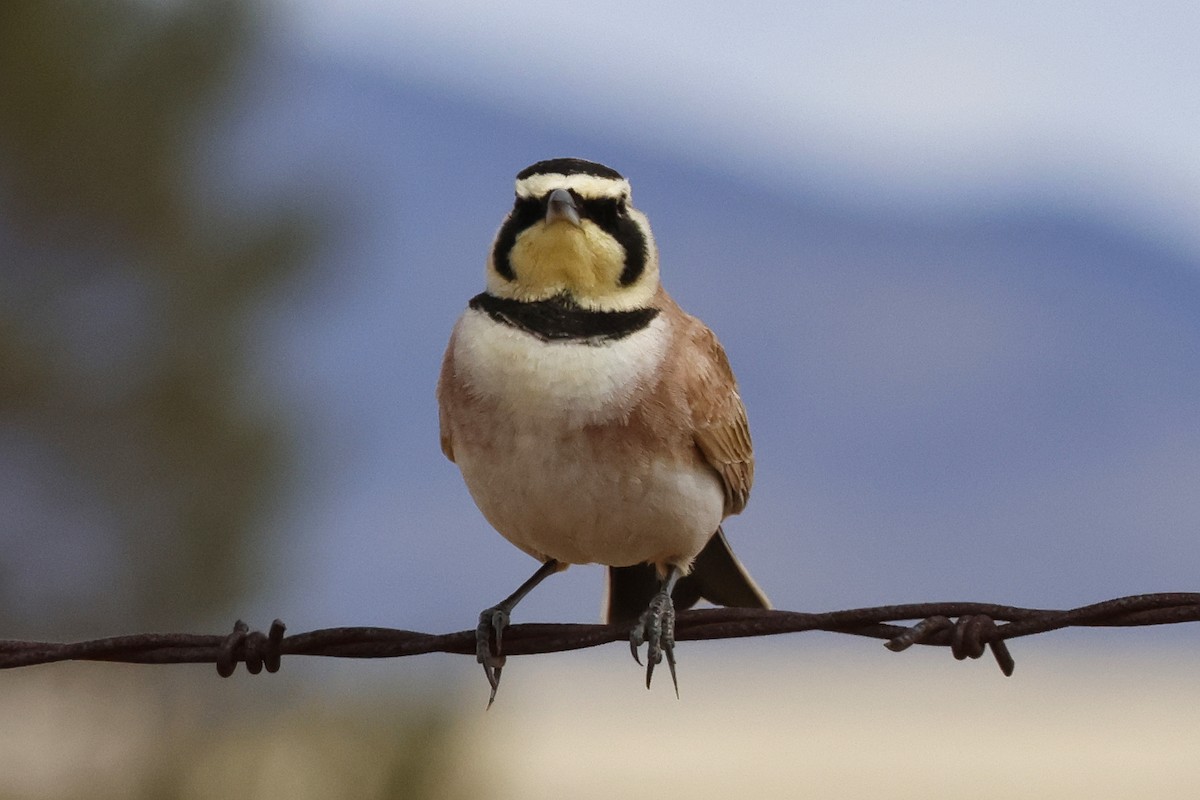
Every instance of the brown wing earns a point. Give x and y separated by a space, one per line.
445 387
719 418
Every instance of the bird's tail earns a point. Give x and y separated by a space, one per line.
717 576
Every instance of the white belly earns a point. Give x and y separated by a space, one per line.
549 487
552 496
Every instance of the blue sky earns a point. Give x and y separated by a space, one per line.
939 103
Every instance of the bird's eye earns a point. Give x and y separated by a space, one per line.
526 209
603 212
623 205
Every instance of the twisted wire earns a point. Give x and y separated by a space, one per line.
967 629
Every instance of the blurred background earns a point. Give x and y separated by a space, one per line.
951 250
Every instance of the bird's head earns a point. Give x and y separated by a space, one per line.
572 233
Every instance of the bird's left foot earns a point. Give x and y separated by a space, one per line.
656 629
492 622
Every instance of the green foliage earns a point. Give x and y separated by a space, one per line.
133 465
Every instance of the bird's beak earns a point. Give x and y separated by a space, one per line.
561 205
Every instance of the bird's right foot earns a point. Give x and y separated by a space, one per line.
656 628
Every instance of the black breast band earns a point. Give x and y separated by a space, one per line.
560 319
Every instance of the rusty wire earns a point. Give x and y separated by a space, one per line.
968 629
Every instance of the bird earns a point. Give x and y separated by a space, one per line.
593 420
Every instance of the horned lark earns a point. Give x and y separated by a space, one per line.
594 421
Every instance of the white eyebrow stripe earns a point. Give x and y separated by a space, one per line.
591 186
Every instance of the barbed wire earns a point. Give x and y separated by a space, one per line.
968 629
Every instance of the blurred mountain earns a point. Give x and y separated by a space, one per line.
995 405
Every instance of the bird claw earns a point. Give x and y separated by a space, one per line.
656 629
492 622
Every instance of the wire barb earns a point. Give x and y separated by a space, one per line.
252 648
968 629
969 637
